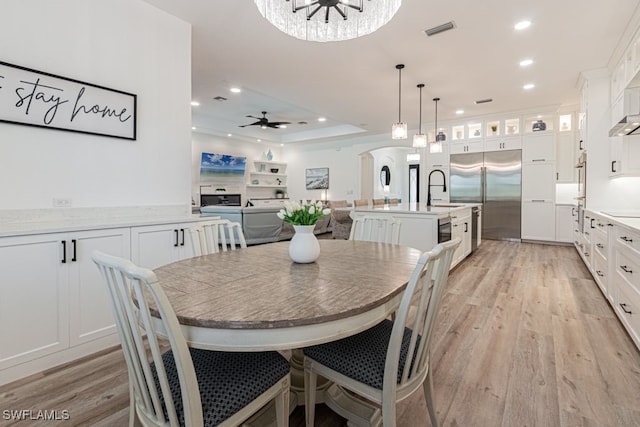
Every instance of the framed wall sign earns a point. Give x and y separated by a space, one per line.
35 98
317 179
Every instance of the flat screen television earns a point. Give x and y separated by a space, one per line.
222 168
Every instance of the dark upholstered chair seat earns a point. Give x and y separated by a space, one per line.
228 381
362 356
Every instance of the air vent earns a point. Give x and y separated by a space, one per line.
440 29
483 101
302 123
220 98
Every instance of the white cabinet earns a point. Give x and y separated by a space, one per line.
564 223
34 303
624 156
90 309
505 143
461 228
538 220
538 182
155 245
538 147
52 295
566 149
471 146
626 279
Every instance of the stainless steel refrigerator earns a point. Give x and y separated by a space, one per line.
494 179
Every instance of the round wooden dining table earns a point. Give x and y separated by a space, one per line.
257 299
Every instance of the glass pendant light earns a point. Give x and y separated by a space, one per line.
436 145
399 130
420 139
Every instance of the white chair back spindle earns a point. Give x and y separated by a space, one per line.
375 229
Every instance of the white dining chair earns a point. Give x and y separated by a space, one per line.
184 386
375 229
388 362
216 236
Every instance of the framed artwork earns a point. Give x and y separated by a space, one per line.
317 179
35 98
222 168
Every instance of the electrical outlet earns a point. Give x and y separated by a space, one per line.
61 202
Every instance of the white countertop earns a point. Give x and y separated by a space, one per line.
39 221
631 222
439 210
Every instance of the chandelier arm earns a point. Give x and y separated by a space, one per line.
352 6
310 15
326 15
344 15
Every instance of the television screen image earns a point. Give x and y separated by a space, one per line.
222 168
317 179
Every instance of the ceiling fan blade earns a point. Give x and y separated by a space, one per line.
254 117
279 123
250 124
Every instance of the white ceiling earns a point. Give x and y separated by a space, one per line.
354 84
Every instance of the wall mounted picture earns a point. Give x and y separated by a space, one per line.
222 168
35 98
317 179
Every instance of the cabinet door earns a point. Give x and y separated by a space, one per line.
33 298
90 309
538 221
507 143
565 158
624 157
538 181
457 231
156 245
538 148
565 223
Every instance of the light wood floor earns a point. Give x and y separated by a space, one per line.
524 338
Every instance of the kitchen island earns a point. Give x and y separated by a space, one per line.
422 227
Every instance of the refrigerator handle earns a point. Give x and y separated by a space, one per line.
483 184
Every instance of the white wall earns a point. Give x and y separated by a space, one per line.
121 44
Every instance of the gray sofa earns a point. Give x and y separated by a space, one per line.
260 225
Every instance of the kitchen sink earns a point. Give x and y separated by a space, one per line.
452 205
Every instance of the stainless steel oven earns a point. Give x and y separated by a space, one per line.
444 229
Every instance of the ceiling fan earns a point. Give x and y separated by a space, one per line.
264 123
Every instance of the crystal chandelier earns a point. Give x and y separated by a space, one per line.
328 20
420 139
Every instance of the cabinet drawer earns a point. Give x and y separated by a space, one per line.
600 271
600 244
628 308
628 238
628 267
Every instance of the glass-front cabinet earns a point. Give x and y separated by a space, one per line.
539 123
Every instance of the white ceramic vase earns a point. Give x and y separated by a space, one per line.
304 247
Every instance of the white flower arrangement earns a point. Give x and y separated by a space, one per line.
302 213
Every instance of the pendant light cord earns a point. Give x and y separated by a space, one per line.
399 67
435 131
421 85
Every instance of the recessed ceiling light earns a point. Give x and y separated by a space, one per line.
528 86
522 25
229 135
259 140
322 119
195 103
282 126
458 112
281 145
235 90
193 128
526 62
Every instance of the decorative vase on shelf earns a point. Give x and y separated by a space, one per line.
304 247
269 155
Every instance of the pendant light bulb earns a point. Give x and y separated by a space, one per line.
399 129
420 139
